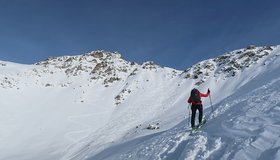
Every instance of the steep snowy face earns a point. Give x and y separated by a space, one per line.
227 65
245 125
229 76
56 103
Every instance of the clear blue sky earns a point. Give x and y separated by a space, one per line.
173 33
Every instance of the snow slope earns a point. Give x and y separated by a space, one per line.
47 107
245 125
173 141
99 106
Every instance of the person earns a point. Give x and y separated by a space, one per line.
196 104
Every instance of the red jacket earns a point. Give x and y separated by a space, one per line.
198 103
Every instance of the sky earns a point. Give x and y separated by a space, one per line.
172 33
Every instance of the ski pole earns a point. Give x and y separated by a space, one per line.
211 102
189 115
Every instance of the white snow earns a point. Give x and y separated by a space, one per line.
98 106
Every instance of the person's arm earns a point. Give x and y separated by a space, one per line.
189 100
205 95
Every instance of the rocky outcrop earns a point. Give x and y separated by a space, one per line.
228 64
98 65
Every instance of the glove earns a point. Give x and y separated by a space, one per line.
208 92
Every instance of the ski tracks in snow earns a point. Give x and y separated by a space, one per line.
164 146
250 125
246 127
175 143
82 121
201 147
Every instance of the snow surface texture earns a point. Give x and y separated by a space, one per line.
99 106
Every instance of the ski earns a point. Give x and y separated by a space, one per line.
198 127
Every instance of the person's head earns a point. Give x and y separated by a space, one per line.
195 89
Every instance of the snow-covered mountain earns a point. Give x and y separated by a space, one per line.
100 106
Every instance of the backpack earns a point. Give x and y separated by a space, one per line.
195 96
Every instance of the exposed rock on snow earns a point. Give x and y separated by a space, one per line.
122 96
153 126
149 65
227 65
99 65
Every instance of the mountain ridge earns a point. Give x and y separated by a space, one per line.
111 67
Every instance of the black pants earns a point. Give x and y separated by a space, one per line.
200 109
